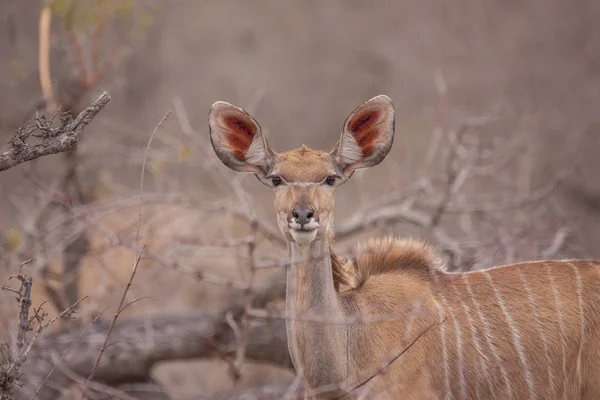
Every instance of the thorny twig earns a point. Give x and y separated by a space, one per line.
24 299
83 332
51 140
10 373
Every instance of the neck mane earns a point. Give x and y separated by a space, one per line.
325 353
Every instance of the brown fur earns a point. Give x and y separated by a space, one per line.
394 274
391 255
521 331
304 165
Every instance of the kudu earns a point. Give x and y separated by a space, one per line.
399 325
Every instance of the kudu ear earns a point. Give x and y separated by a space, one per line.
367 137
238 140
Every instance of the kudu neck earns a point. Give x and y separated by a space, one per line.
310 275
311 293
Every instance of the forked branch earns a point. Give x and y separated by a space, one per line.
138 344
50 140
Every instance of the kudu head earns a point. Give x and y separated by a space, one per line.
303 180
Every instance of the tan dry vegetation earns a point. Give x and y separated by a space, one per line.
106 268
304 66
171 283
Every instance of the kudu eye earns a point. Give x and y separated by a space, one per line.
330 180
276 180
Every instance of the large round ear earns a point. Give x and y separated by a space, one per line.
367 137
238 140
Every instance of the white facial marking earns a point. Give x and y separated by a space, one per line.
295 226
303 184
303 237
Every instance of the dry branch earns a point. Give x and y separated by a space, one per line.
10 370
362 220
136 260
140 343
12 362
50 140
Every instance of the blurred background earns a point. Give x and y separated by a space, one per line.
495 157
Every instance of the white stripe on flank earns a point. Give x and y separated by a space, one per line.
540 329
442 317
478 271
409 325
519 264
515 336
488 338
482 356
561 326
441 314
459 350
581 312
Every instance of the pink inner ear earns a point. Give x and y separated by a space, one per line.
240 133
364 127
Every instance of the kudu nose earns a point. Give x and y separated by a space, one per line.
303 215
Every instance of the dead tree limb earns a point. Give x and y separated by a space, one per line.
140 343
11 363
30 319
50 140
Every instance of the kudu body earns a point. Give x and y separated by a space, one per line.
398 326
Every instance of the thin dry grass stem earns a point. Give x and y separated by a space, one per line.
136 262
62 357
120 309
162 120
